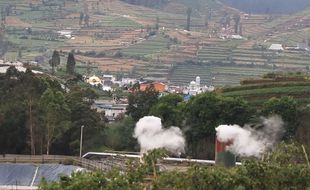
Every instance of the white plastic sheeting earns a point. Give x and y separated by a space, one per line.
31 175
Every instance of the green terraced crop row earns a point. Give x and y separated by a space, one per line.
214 74
117 22
152 45
290 90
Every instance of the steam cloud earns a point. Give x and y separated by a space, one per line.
247 141
151 135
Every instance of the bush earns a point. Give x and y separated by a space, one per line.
118 54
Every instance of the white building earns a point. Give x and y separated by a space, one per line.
276 47
128 81
195 88
110 109
109 78
3 69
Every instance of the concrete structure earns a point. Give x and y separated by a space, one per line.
109 78
111 109
195 88
128 81
276 47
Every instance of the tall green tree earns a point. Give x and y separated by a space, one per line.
55 61
71 64
56 116
237 19
207 111
170 109
188 23
140 102
118 135
20 93
287 108
82 113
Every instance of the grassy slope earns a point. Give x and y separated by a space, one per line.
261 91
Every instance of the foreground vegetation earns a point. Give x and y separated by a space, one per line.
284 169
45 114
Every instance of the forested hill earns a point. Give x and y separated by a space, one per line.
269 6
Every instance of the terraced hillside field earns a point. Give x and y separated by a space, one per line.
212 74
261 91
288 59
152 45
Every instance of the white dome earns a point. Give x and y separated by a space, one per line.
94 80
193 83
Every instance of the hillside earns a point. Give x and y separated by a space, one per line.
273 85
127 38
269 6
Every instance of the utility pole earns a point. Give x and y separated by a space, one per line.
81 140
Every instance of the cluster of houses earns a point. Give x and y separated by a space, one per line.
4 65
113 108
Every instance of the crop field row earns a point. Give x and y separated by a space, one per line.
260 93
117 22
216 75
152 45
290 90
245 56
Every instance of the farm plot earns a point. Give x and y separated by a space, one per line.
260 93
215 75
153 45
110 64
284 60
116 22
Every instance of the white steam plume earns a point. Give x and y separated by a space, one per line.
151 135
247 141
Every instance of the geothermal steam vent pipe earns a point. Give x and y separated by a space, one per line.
224 157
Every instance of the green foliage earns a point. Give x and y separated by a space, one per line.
119 135
252 174
55 113
205 112
140 102
287 108
169 109
37 116
285 154
71 64
79 102
55 61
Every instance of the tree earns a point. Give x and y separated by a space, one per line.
207 111
56 116
237 19
81 18
170 109
86 20
71 64
287 108
140 102
118 135
80 104
188 23
157 23
55 61
19 105
19 55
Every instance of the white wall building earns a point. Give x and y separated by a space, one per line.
195 88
